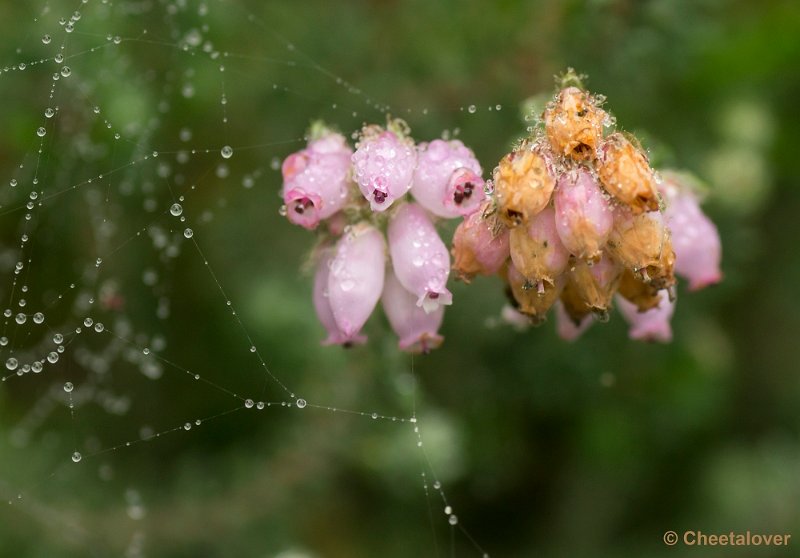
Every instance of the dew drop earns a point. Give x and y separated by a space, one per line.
12 363
68 387
38 318
58 338
188 233
46 40
471 109
187 426
301 403
76 456
249 403
66 71
176 209
452 520
41 131
98 327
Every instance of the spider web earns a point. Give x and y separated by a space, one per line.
124 203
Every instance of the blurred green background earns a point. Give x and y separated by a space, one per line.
544 448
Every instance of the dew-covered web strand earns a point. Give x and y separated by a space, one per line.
226 151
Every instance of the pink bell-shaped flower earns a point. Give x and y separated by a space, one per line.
584 216
447 180
419 257
315 180
383 167
323 307
356 278
651 325
695 238
416 329
477 249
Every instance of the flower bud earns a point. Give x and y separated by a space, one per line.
625 173
584 216
419 257
323 307
574 124
417 329
695 238
479 248
532 299
651 325
447 180
315 180
637 240
523 185
383 167
536 249
567 328
356 278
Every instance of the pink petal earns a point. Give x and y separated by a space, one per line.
476 249
651 325
383 167
323 307
447 180
356 278
695 238
419 257
584 216
315 180
417 329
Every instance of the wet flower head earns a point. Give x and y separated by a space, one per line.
586 221
374 242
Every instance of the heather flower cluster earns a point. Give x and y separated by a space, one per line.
577 220
374 211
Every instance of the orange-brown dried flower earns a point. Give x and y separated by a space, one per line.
590 288
533 300
626 174
644 295
523 185
574 124
536 249
662 274
637 240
